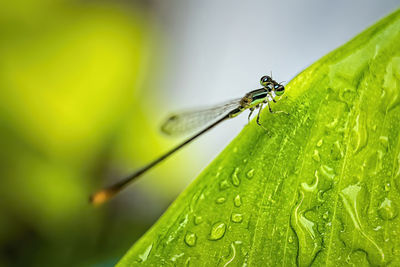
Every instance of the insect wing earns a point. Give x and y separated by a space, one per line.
187 121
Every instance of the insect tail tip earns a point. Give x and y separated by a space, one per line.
101 197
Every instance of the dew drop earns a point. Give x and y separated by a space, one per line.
237 201
384 140
353 198
387 210
387 187
333 123
198 220
320 142
218 173
194 201
290 239
224 184
308 236
250 173
177 256
220 200
236 217
336 151
233 253
143 257
373 164
397 174
316 156
190 239
235 178
187 262
325 216
202 197
378 228
347 95
217 231
311 187
390 86
244 160
360 134
327 171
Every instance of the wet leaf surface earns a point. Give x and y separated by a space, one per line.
322 188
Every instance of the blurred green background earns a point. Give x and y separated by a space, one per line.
75 106
85 84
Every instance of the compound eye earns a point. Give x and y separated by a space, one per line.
265 80
279 89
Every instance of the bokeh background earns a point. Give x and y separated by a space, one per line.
84 86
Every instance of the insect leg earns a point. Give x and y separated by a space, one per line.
258 115
251 112
260 107
272 97
275 112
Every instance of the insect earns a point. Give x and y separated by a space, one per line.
186 121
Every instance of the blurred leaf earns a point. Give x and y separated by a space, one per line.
70 75
322 188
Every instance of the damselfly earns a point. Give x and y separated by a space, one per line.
186 121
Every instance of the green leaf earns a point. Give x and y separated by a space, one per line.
321 188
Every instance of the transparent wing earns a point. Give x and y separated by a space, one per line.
188 121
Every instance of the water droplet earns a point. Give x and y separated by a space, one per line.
220 200
397 174
320 142
325 216
316 156
218 172
190 239
217 231
198 220
250 173
313 186
177 256
333 123
360 134
233 249
336 151
244 160
373 164
353 198
237 201
224 184
378 228
187 262
194 201
290 239
235 149
310 242
143 257
390 86
327 171
384 141
387 210
347 95
237 217
235 178
387 187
